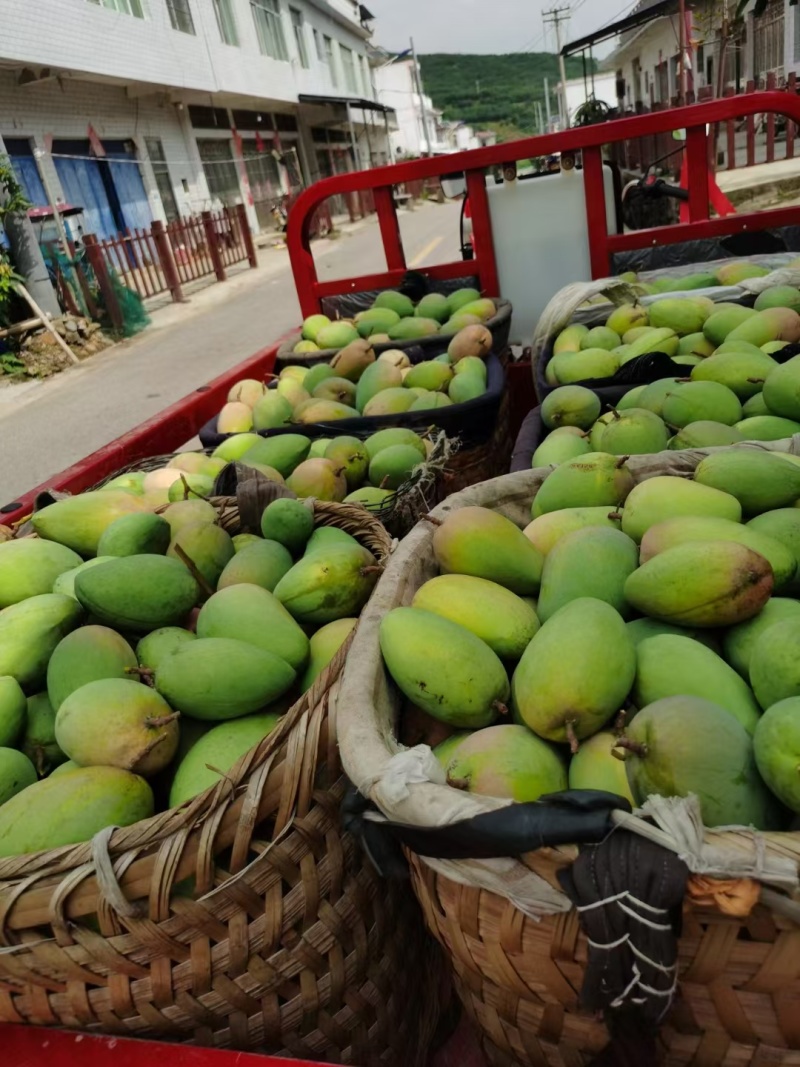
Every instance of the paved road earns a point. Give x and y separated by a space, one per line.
47 427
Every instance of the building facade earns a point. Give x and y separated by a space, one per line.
719 54
138 110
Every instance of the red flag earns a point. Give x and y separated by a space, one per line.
94 141
259 142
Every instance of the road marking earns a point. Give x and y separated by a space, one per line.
418 260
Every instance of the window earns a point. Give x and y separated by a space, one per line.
226 22
180 15
158 162
368 91
124 7
220 170
319 44
299 35
331 61
269 29
349 67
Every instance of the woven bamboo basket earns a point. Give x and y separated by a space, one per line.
245 918
518 966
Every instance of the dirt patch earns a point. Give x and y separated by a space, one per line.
36 353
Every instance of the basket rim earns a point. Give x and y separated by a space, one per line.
27 880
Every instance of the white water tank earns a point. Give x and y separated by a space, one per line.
540 240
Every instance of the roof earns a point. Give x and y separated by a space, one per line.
646 11
353 101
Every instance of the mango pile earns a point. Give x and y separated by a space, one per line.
693 331
337 469
394 317
142 654
732 273
356 384
638 638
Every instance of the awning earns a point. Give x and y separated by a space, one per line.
354 101
631 22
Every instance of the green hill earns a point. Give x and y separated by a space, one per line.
494 92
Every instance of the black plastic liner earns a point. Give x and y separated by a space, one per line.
472 423
661 257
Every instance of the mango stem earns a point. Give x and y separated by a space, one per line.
432 520
569 728
192 566
636 747
162 720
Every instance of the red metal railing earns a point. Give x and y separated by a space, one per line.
589 141
165 258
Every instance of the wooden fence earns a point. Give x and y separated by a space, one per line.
732 145
165 258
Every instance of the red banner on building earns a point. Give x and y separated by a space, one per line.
94 141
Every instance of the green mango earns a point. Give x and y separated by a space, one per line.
323 646
261 563
634 432
682 530
79 521
38 740
739 641
490 611
742 372
208 547
569 340
377 377
66 809
283 452
187 512
774 664
576 673
547 530
393 466
133 535
29 567
706 434
218 678
12 711
251 614
443 668
394 435
782 390
16 773
702 583
65 583
657 499
701 402
154 646
767 428
720 324
138 593
85 655
682 316
570 405
758 480
782 524
559 446
586 365
594 766
668 666
777 750
507 761
682 745
487 545
30 631
594 480
117 722
216 752
324 586
466 387
593 562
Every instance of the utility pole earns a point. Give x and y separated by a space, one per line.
556 17
423 114
547 101
682 46
28 257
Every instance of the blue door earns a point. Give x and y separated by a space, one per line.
110 190
24 166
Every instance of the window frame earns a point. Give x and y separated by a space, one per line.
319 45
298 21
331 60
269 29
134 8
349 69
181 9
229 36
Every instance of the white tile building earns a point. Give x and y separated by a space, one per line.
149 109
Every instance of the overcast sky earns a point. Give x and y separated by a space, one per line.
475 26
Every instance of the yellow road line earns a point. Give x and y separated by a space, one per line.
419 259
